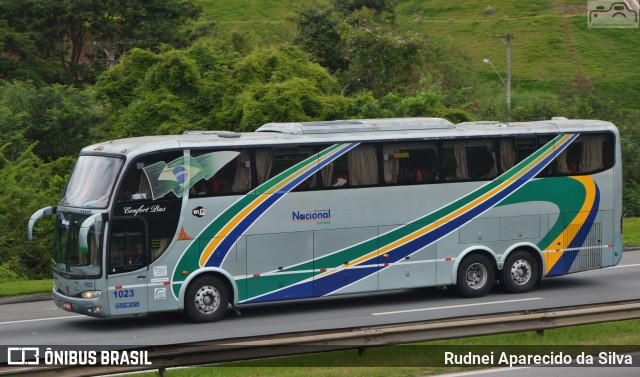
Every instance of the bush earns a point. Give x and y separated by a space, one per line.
28 184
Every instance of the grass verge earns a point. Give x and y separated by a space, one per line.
631 231
427 358
25 287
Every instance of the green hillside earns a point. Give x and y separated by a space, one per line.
269 19
552 46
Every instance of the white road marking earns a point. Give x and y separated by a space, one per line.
458 306
40 319
626 265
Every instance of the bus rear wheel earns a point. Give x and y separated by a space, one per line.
207 299
476 276
520 272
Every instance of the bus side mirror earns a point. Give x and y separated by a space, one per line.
92 221
37 215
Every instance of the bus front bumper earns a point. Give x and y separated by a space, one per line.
95 307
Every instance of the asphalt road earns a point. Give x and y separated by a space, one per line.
42 323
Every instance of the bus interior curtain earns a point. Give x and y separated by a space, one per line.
562 165
311 182
327 175
460 152
242 179
363 166
391 164
592 158
94 252
507 154
264 164
491 147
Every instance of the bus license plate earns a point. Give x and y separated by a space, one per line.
67 305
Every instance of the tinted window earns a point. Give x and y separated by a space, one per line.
515 149
221 173
469 159
127 246
359 167
410 163
272 161
588 154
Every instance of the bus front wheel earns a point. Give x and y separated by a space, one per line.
207 299
476 276
520 272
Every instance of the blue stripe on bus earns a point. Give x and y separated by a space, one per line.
217 257
564 263
330 283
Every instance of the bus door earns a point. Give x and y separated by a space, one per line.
127 266
145 221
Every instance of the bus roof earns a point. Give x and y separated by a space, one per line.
358 125
387 129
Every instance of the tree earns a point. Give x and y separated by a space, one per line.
358 42
319 28
380 58
62 118
318 35
68 30
380 7
27 184
19 58
199 88
150 94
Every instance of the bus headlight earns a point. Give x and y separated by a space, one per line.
90 294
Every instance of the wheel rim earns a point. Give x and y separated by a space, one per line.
207 299
476 276
521 272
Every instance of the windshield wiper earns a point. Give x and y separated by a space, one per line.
77 270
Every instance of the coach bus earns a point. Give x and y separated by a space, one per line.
208 220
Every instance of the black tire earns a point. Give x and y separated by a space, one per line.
207 299
521 272
476 275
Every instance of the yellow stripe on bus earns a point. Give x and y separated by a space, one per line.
228 228
562 242
418 233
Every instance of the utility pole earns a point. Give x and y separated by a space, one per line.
508 38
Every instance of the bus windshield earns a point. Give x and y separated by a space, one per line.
68 258
92 181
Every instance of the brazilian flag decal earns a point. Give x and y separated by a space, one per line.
182 173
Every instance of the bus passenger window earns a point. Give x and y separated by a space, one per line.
514 150
586 155
135 186
473 159
272 161
336 174
410 163
229 172
145 179
359 167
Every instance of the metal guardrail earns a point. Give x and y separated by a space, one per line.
226 350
